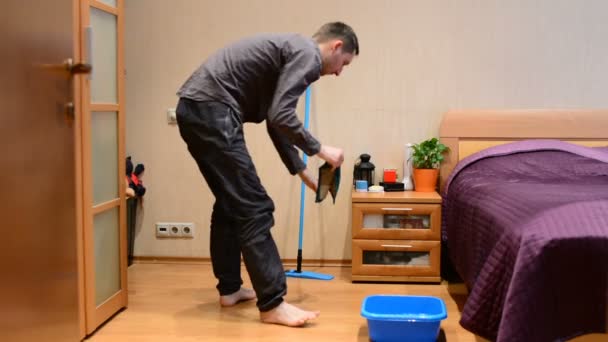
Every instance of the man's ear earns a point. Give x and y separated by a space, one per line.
337 45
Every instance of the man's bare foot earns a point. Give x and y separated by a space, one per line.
289 315
241 295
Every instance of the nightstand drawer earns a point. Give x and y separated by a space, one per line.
396 258
393 221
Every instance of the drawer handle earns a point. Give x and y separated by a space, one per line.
398 246
397 209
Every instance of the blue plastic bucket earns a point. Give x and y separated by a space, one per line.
403 318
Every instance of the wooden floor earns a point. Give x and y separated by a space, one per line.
178 302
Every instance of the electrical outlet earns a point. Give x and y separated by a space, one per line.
175 230
187 230
162 230
171 116
168 230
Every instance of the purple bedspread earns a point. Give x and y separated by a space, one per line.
526 226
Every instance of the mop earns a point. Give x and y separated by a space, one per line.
298 273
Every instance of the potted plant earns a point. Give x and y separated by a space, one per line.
427 157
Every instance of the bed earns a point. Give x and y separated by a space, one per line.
525 221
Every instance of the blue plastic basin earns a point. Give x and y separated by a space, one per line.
403 318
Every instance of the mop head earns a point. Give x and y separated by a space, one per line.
308 275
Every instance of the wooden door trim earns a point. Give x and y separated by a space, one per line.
109 307
105 107
105 7
99 208
77 100
87 193
120 75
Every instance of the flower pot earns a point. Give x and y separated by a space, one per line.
425 180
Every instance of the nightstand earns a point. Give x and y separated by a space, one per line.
396 236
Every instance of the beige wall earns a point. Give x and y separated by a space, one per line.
418 59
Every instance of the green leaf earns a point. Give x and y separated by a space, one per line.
428 154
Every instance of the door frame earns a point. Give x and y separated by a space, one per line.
78 110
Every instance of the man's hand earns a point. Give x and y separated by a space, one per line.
333 155
308 179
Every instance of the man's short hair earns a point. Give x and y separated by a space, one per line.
339 30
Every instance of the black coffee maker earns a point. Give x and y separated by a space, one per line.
364 170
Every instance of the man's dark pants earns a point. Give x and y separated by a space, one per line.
243 211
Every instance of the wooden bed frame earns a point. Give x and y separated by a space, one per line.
468 131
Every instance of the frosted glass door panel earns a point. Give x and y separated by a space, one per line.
107 254
104 87
104 142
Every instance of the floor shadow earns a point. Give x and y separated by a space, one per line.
441 336
459 293
192 316
203 294
300 298
363 335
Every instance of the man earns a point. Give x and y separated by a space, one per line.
256 79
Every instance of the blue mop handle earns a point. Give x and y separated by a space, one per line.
304 158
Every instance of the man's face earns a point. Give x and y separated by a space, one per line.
335 59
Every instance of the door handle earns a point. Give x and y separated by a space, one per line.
397 246
69 66
77 68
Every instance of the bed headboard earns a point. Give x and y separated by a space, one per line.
468 131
